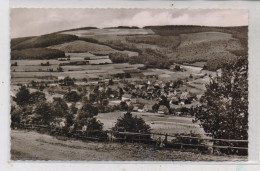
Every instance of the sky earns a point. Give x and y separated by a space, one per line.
38 21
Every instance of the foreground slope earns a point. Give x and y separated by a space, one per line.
46 147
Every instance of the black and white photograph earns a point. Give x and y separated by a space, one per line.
110 84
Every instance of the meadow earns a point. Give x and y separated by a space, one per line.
159 123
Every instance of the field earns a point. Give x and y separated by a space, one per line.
108 32
35 146
159 123
82 46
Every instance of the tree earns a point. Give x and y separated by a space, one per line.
15 116
45 112
123 106
155 107
36 97
60 69
22 96
109 92
110 82
164 102
14 64
105 102
60 107
87 111
224 109
94 125
69 119
33 83
72 96
129 123
67 81
73 109
177 67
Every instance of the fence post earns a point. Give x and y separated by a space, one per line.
165 139
181 143
111 133
125 136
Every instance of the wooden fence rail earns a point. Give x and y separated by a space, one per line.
113 136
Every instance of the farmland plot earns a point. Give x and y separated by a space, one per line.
101 32
83 46
159 123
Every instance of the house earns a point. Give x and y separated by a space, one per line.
135 109
133 100
63 59
148 108
174 100
61 78
184 96
163 110
114 102
126 97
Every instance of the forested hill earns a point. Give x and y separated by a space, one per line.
154 46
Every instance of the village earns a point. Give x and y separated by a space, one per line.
128 89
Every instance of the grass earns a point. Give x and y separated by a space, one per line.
34 146
159 123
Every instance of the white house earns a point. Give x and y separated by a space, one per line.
126 97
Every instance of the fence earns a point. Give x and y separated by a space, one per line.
169 141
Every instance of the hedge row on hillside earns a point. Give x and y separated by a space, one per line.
36 53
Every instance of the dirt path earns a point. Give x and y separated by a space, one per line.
35 146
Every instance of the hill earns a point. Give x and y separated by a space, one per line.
154 46
41 41
239 32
